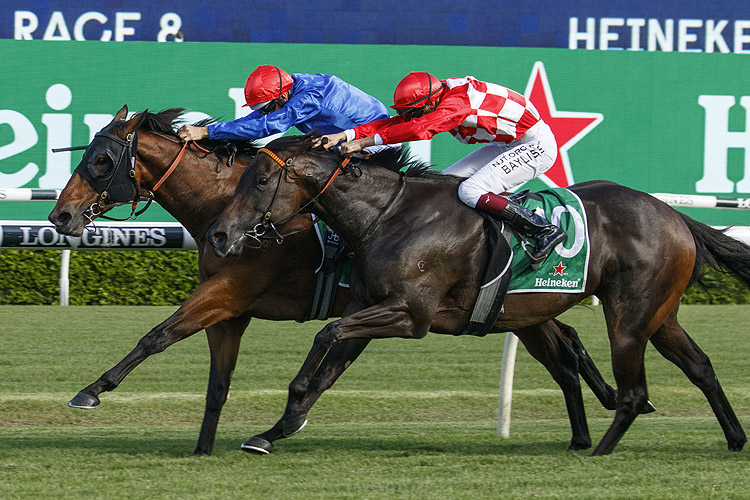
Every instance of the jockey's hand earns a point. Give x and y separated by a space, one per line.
190 133
354 146
332 140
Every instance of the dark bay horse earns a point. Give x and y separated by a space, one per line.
418 249
276 283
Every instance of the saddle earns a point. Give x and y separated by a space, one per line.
495 278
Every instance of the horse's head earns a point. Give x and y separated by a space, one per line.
103 179
280 183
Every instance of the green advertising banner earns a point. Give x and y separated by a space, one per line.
653 121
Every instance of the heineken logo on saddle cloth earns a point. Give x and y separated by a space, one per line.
566 267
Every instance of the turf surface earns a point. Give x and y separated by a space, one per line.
410 419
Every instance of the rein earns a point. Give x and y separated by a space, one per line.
375 223
175 163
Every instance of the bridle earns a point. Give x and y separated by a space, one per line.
123 182
128 150
259 233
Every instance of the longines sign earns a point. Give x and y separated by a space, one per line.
101 237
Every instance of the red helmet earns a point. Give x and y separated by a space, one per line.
417 89
265 84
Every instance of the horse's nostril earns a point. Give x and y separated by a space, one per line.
60 219
219 237
64 217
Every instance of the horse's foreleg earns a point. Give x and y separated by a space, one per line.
338 359
673 343
224 343
206 306
389 319
546 346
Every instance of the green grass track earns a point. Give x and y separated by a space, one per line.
409 420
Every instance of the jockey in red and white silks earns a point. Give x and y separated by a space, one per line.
520 145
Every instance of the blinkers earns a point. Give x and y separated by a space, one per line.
108 165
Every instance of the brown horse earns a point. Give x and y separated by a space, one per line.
277 283
643 256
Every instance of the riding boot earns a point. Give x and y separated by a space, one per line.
526 222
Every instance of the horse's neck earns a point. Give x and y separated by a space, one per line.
196 190
358 207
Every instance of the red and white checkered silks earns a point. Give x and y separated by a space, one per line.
498 114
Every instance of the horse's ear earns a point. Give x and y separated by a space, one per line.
135 122
140 118
121 115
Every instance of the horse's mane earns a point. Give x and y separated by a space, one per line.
301 142
401 160
163 122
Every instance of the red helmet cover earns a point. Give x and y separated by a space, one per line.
266 83
416 89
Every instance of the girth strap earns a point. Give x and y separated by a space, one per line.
328 276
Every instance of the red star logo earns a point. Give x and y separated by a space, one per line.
568 126
559 269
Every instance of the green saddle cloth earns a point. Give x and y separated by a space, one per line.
566 267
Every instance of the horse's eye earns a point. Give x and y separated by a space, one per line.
101 165
262 181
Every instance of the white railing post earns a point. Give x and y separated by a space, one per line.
506 385
64 282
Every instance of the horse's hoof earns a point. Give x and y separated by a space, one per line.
737 445
83 400
201 452
257 445
648 408
579 445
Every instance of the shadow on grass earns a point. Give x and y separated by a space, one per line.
388 442
181 447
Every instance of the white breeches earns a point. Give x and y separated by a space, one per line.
499 167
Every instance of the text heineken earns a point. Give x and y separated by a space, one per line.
556 282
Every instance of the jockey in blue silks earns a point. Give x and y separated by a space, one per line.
279 101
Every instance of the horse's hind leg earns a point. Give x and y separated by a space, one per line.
628 328
673 343
544 343
605 393
224 343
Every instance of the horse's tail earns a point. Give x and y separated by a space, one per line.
719 251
